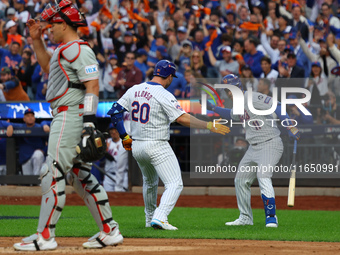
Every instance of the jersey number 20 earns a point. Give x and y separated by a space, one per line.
140 112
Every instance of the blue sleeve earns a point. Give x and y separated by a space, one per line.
46 122
282 117
306 119
11 84
223 112
16 125
121 129
36 74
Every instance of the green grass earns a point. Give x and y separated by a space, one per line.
192 223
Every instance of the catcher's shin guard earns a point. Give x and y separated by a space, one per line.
53 197
94 195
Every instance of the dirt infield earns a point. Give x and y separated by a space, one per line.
187 246
134 246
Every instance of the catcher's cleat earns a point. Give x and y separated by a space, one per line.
101 239
272 222
239 222
157 224
36 242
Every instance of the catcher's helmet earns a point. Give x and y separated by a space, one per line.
64 11
232 79
164 68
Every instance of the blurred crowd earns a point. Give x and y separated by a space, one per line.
259 40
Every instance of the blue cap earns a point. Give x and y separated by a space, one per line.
316 63
231 12
21 1
260 5
29 110
292 36
128 33
111 126
113 56
164 68
288 48
182 29
142 52
210 27
163 50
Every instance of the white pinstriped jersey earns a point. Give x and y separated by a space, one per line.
259 128
152 109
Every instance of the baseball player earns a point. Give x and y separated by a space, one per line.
153 109
73 94
117 165
265 149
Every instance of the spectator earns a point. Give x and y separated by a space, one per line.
296 114
225 66
124 46
116 163
283 26
11 86
212 39
272 48
177 86
198 68
292 70
330 23
3 140
11 58
330 113
158 41
31 149
317 84
299 22
109 72
12 33
176 44
302 60
253 57
39 83
23 14
248 79
129 75
25 72
268 72
184 56
327 63
140 63
264 87
198 43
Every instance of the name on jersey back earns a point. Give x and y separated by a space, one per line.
144 94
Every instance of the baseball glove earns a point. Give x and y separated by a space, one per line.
92 146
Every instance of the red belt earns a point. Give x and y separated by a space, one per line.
64 108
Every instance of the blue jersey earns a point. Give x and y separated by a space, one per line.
9 60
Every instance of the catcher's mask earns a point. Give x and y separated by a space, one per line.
64 11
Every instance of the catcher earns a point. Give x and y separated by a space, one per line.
73 94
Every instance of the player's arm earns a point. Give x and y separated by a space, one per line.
116 113
188 120
223 112
292 131
43 56
91 102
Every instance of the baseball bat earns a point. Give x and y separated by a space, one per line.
291 189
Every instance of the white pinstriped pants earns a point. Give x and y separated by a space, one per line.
264 154
157 159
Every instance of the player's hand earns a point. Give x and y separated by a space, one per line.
34 28
127 142
218 128
294 133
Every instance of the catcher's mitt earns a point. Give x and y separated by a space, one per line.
92 146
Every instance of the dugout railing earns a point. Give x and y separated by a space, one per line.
318 145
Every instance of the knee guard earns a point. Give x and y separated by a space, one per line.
53 197
269 206
94 195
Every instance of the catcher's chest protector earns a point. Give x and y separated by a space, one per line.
58 78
